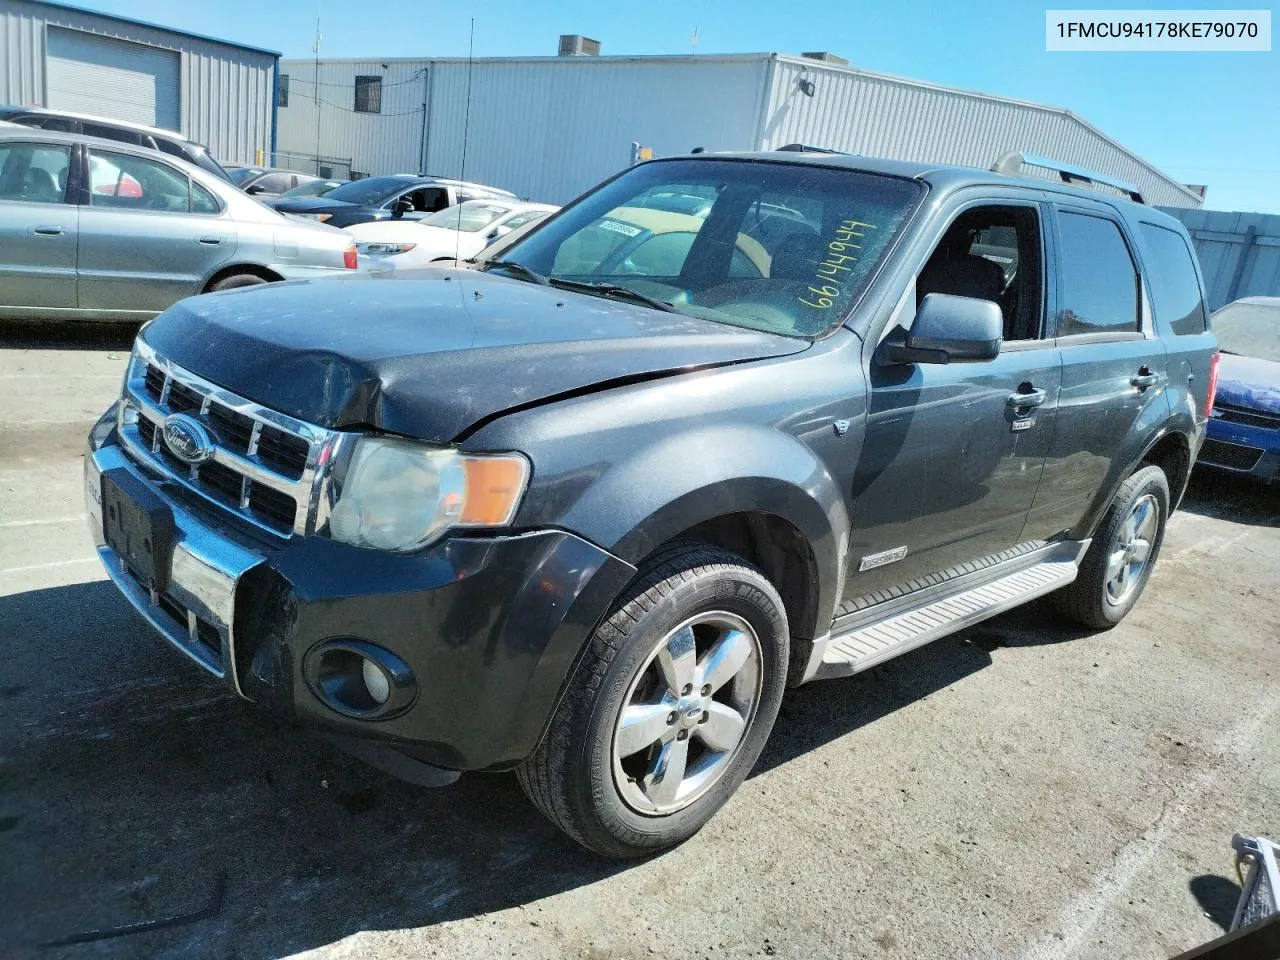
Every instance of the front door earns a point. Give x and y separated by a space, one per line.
953 453
37 227
149 236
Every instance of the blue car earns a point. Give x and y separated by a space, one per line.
1244 428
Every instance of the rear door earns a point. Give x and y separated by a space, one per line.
148 234
1114 369
37 226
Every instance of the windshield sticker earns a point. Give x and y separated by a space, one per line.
626 229
830 271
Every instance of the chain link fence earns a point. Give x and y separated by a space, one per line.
329 168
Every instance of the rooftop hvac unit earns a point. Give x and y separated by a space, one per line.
576 45
825 57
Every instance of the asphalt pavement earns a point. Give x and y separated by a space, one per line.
1025 790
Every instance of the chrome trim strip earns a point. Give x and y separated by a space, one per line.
204 573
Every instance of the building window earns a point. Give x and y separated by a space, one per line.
368 94
282 91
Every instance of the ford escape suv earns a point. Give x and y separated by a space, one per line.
586 513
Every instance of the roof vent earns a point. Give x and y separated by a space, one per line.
825 57
576 45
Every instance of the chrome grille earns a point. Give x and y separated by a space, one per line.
267 467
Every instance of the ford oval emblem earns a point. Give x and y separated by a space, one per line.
188 440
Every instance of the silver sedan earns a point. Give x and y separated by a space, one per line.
99 230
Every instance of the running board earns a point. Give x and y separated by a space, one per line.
844 654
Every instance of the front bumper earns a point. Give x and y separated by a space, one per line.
490 627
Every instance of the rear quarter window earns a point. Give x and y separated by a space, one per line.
1175 287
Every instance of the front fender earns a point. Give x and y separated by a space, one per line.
651 495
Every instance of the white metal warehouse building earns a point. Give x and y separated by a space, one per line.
219 93
548 128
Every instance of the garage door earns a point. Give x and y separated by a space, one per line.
112 78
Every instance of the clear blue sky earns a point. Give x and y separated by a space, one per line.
1202 117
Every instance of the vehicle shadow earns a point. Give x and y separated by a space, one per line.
134 790
66 335
1217 897
1226 497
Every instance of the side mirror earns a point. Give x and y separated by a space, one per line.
950 329
400 208
254 189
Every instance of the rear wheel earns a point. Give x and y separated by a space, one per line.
670 707
1120 559
235 281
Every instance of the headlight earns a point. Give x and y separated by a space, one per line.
384 249
322 217
399 495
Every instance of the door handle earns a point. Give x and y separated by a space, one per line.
211 241
1032 398
1145 378
48 230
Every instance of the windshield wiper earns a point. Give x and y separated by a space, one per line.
614 290
517 268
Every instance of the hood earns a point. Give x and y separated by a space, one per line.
310 205
429 354
1249 382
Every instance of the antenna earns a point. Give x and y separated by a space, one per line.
315 48
693 42
466 128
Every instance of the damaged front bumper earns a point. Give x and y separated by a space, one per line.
478 634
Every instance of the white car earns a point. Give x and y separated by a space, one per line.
455 233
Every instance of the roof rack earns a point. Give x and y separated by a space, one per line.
1011 164
805 148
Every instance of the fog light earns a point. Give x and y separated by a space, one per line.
359 679
376 682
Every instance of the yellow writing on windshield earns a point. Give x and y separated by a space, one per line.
835 264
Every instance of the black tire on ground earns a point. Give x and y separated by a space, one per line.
236 280
1086 600
569 777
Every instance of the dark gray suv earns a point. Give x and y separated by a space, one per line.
586 513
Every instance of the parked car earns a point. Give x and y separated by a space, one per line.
166 141
268 183
1244 432
313 188
586 515
95 229
458 232
399 196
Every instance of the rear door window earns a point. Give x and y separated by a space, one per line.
127 182
34 173
1175 288
1099 279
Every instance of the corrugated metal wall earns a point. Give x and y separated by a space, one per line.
1239 252
373 143
886 116
548 129
226 91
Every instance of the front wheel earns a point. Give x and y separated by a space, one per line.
670 707
1119 561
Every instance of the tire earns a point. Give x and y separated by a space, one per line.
1093 599
614 804
235 281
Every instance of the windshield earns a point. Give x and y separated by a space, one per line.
369 190
1251 329
313 188
780 247
469 217
242 175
